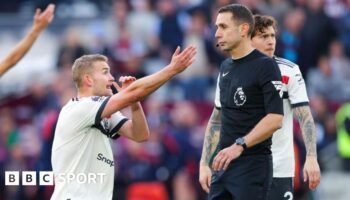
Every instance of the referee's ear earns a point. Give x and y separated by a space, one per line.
244 29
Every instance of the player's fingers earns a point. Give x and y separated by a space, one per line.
222 163
209 182
305 175
216 162
130 78
227 162
49 12
185 55
122 79
204 185
37 12
314 180
191 55
190 52
115 84
177 51
214 165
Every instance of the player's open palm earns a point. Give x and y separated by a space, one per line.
181 60
42 19
205 177
312 172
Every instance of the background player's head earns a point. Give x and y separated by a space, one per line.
91 75
234 24
264 34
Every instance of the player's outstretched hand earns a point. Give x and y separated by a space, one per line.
205 177
42 19
181 60
312 172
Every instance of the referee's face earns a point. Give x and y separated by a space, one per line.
265 41
102 79
227 32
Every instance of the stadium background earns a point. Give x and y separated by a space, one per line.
139 36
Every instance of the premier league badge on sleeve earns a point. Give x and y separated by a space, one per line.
239 97
278 86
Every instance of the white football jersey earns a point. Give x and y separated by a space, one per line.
82 157
294 95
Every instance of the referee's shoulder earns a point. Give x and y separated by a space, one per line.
285 62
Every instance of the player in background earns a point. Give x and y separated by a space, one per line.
41 21
295 100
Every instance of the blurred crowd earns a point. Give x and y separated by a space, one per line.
138 37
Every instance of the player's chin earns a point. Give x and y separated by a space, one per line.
108 92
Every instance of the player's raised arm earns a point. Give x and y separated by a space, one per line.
144 86
41 21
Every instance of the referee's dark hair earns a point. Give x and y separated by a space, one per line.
240 14
262 22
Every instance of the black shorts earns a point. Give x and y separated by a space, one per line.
246 178
281 189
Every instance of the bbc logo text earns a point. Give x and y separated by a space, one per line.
48 178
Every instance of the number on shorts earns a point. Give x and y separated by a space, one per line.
289 195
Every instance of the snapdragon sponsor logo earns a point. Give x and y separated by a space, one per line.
109 162
48 178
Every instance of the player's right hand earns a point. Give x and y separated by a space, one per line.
181 60
205 177
125 82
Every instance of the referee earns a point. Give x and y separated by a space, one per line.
236 160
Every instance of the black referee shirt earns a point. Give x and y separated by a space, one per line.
250 88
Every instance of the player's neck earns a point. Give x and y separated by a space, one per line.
84 92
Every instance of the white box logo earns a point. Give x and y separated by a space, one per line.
45 178
11 178
28 178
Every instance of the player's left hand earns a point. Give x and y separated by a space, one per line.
225 156
42 19
312 172
125 81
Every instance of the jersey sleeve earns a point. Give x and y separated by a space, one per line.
271 84
296 88
217 94
90 109
117 120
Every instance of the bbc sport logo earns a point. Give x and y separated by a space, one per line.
48 178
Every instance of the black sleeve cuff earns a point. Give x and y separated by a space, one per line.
99 112
300 104
114 132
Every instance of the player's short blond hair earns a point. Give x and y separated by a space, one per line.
84 65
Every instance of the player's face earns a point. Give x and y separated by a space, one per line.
265 41
102 79
227 32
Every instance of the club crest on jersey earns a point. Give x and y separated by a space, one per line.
239 97
278 85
